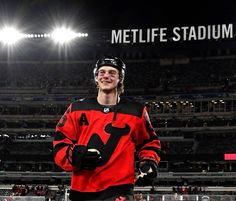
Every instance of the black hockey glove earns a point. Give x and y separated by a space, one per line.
147 173
84 158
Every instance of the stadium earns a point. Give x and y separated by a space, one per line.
180 64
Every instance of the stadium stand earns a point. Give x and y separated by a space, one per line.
191 101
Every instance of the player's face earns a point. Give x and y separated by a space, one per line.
108 78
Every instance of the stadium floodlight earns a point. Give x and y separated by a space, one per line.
63 35
10 35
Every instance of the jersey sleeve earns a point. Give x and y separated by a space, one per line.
65 139
148 145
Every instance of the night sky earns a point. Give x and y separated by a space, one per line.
103 14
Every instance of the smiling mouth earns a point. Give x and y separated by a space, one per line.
105 82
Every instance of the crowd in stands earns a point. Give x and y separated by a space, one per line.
190 153
144 77
181 192
27 126
34 190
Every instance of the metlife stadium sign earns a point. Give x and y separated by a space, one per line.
175 34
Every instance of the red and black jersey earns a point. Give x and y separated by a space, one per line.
88 123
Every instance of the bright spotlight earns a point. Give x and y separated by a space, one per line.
10 35
63 35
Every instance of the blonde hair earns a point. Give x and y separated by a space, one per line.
121 88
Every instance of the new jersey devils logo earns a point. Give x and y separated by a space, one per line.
107 149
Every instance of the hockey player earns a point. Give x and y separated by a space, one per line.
97 137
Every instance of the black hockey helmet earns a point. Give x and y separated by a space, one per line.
113 61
